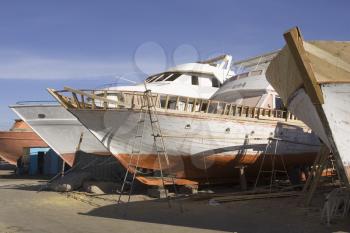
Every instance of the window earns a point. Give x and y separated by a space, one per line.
256 72
162 77
173 77
215 82
195 80
152 78
244 75
279 103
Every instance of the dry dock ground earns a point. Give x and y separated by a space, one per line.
23 209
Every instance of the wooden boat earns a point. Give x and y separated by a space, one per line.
14 142
206 139
313 80
63 132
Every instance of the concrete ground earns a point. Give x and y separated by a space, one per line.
23 209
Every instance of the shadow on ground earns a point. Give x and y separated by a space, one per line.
252 216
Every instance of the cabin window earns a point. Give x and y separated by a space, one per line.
152 78
244 75
195 80
161 77
215 82
256 72
279 103
173 77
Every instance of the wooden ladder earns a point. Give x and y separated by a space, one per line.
148 108
272 145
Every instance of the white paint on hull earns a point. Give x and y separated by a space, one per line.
59 128
337 109
116 129
302 107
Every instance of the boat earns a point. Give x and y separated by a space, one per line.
313 80
59 129
14 142
206 139
63 132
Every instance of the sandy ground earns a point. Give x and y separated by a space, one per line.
23 209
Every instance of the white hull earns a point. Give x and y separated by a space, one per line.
60 130
194 136
336 108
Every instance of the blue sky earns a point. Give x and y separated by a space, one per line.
85 44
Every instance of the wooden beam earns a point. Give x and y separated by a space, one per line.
57 96
76 99
96 97
295 44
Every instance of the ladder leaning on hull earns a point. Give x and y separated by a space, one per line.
148 108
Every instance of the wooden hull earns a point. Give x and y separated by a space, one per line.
220 168
12 144
200 147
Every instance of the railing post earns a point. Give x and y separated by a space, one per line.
259 109
194 105
200 105
253 112
166 102
82 101
229 110
206 110
177 102
105 102
93 100
186 105
76 99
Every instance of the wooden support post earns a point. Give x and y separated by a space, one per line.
62 169
242 178
314 178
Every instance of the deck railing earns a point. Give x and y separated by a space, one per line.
113 99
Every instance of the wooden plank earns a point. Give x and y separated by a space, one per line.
57 96
255 196
96 97
76 99
294 41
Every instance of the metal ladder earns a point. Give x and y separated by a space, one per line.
273 171
148 108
